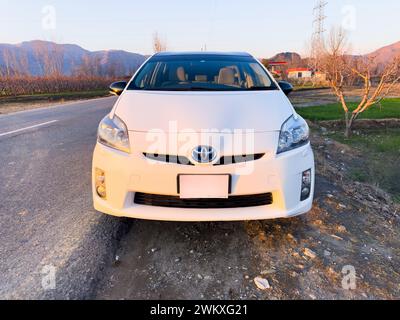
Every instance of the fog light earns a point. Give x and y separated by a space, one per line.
305 192
100 183
306 185
307 178
101 191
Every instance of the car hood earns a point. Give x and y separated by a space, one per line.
261 111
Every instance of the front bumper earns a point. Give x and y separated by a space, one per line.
127 174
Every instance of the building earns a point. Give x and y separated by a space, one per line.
280 70
300 73
277 68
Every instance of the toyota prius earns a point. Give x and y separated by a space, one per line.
203 137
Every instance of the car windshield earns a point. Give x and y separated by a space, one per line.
202 73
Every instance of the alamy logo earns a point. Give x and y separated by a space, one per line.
349 278
49 19
48 277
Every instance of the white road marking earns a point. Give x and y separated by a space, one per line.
27 128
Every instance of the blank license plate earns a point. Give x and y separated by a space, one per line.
204 186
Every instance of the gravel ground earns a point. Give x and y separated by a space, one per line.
352 225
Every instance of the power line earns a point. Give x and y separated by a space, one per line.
319 30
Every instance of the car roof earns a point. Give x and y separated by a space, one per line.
202 53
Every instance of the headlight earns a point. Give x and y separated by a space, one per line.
294 133
113 133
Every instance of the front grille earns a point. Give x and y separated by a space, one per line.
168 159
239 159
223 161
176 202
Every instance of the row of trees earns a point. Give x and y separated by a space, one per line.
49 62
44 72
46 62
15 86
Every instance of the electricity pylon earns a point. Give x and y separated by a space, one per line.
319 30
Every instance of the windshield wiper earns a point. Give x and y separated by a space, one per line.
262 88
195 89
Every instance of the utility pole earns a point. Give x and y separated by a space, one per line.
319 30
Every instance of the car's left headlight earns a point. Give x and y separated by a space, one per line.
294 134
114 133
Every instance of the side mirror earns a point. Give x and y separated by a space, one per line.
117 87
286 87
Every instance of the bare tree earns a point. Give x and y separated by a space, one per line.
56 60
89 67
7 58
23 64
159 45
13 64
84 68
342 69
49 58
37 53
313 62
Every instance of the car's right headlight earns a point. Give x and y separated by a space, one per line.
294 134
114 133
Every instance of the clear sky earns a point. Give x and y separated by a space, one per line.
261 27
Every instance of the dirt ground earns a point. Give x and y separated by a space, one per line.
307 98
12 107
8 106
351 225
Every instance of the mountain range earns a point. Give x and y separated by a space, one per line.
382 56
39 58
386 54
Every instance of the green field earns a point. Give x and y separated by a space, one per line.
389 108
380 148
380 163
309 88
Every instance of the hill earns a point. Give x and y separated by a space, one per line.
387 53
38 58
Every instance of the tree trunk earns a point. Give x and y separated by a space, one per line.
349 124
347 131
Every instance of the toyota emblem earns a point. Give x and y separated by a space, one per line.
204 154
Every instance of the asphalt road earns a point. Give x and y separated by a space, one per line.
47 222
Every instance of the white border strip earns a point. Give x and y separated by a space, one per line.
27 128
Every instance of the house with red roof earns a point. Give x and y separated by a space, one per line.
300 73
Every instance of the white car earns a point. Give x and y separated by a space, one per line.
203 137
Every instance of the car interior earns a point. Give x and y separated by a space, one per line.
217 74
